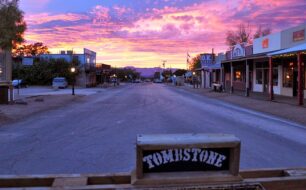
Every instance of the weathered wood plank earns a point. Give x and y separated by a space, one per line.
69 181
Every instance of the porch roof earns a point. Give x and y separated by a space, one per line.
214 66
250 57
298 48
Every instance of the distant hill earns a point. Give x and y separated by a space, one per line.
147 72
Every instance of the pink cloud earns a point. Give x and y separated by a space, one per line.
121 10
168 31
100 13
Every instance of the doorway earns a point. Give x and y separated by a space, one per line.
266 80
295 83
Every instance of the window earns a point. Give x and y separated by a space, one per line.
287 77
239 73
259 76
237 52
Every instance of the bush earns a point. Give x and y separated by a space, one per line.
43 71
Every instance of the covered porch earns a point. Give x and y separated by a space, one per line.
292 61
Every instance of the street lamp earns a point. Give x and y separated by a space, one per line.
72 70
115 79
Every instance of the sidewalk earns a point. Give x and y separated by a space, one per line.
36 99
282 107
46 90
34 104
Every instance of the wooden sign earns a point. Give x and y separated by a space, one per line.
186 158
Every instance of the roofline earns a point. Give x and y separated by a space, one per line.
253 56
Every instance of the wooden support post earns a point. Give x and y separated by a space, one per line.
202 79
232 78
300 80
247 80
271 79
222 78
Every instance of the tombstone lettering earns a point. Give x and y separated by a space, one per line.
186 159
191 157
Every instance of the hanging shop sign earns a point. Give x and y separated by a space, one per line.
206 59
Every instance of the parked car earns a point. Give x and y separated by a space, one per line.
19 83
157 81
137 81
59 82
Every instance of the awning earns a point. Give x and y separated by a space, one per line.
294 49
213 66
209 67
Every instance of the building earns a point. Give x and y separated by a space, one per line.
289 77
5 66
274 64
211 69
6 88
237 68
87 65
102 73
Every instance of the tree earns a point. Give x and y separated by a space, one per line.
30 50
195 62
167 73
260 32
125 74
12 27
180 72
43 71
157 75
242 34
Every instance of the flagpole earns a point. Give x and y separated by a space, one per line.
187 60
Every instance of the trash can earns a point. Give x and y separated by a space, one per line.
4 92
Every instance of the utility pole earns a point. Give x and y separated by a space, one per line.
164 63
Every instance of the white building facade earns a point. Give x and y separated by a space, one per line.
87 65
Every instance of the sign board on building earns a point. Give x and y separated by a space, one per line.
265 43
165 158
27 61
238 51
299 35
87 51
271 42
206 59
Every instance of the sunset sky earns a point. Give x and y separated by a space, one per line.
142 33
